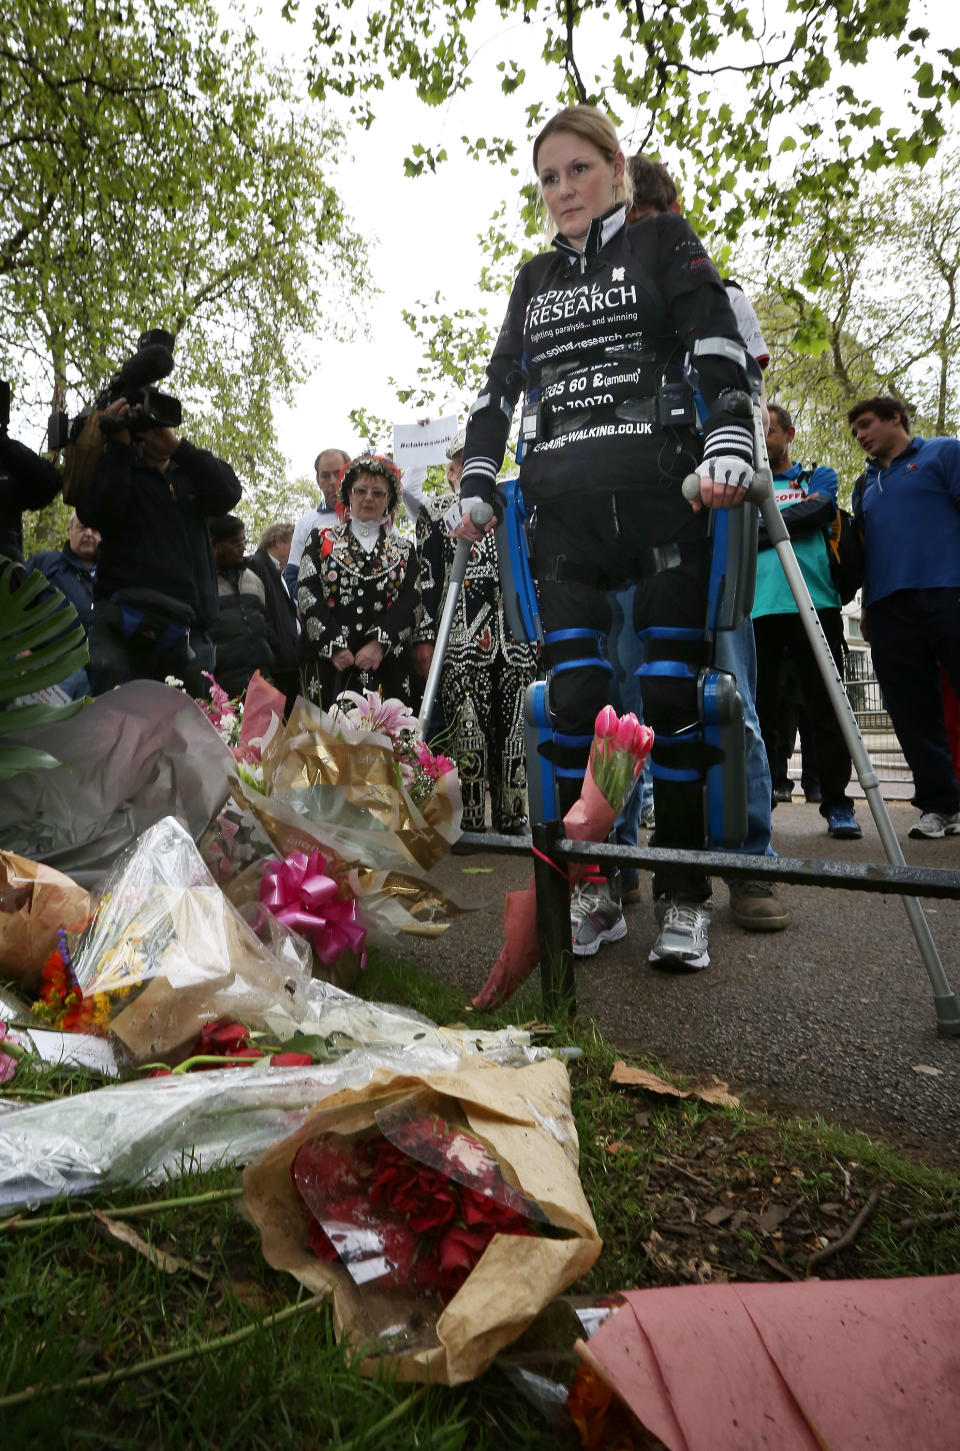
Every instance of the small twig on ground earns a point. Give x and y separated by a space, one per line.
829 1251
694 1178
130 1211
846 1177
778 1266
947 1217
143 1367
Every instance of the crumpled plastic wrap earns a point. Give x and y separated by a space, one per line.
166 953
131 757
159 1128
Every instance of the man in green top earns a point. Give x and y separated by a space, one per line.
807 500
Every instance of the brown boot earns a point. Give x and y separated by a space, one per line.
757 908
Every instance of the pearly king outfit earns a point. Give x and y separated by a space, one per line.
485 673
357 582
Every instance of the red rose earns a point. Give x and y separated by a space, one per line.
424 1196
224 1038
324 1169
320 1244
485 1209
460 1250
291 1060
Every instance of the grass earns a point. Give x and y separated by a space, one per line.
682 1192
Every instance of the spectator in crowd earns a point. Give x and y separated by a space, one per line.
909 512
807 501
793 722
357 591
26 482
485 671
328 465
240 632
268 563
73 568
155 592
754 904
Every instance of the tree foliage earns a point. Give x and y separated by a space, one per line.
888 319
154 171
727 86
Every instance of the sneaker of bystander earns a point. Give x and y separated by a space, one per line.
934 824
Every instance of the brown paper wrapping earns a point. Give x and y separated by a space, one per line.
35 900
523 1115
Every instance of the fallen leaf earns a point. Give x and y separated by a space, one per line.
640 1078
126 1234
928 1069
719 1214
476 871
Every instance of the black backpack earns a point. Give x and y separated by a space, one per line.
847 553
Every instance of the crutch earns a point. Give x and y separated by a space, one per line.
761 494
480 514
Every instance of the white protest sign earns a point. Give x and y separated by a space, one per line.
420 444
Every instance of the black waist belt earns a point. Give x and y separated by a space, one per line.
560 569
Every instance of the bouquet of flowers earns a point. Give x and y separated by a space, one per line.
165 952
620 747
359 784
441 1210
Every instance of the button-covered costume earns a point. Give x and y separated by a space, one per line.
595 340
348 596
485 673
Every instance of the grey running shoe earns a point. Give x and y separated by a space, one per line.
682 945
933 824
648 818
595 918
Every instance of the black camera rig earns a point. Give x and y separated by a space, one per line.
147 406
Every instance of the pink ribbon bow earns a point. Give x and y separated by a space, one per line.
299 894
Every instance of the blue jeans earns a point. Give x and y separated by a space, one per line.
736 651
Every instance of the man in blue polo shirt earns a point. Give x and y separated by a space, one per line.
807 500
909 512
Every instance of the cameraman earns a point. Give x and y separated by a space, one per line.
155 595
26 482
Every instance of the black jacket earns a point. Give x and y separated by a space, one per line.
590 338
26 482
281 610
240 633
154 525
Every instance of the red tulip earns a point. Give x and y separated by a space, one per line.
606 723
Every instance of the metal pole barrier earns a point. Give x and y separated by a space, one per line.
480 514
761 494
553 920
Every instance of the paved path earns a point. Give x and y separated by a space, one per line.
833 1016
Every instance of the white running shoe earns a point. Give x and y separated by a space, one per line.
595 918
682 945
932 825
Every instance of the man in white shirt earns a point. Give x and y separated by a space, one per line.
328 465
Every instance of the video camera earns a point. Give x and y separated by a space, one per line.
147 406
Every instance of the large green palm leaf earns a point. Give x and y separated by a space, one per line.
41 642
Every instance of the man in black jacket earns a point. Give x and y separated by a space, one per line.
26 482
240 633
155 596
268 564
